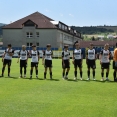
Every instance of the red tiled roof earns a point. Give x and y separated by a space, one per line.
39 19
85 44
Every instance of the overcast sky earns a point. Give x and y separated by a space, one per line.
70 12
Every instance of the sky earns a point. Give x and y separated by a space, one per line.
70 12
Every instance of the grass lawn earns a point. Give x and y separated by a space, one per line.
57 97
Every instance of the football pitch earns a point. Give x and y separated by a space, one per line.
22 97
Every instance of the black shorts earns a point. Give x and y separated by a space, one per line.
48 63
34 64
91 64
23 63
7 62
67 65
77 63
105 65
114 65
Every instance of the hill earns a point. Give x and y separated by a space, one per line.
96 29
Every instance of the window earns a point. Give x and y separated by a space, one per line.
29 34
29 23
60 25
37 44
63 27
37 34
29 44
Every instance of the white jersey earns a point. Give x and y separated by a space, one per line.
7 56
91 54
77 54
34 56
66 55
105 56
48 54
23 54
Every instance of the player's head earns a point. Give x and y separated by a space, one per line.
23 47
66 47
77 45
9 46
34 47
48 46
91 46
106 46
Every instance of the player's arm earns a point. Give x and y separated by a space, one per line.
18 57
86 56
52 54
3 56
81 56
38 56
43 57
27 56
100 56
73 58
62 58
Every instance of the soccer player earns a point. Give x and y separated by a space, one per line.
47 60
77 60
7 59
115 63
34 60
23 55
104 61
65 62
90 60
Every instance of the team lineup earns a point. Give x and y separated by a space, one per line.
77 60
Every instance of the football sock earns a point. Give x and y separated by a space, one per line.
3 70
24 70
63 74
36 72
106 74
8 70
50 73
31 71
21 71
81 74
93 74
102 74
75 73
88 73
66 73
114 74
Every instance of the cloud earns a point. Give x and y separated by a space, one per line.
61 15
71 15
47 10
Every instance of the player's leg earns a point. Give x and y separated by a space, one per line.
3 68
45 72
20 72
80 69
107 73
50 69
36 70
67 72
75 72
63 72
9 67
88 73
25 66
31 70
93 72
102 74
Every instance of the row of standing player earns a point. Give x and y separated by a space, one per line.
47 60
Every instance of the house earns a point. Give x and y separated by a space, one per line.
40 30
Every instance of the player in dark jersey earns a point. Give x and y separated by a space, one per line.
65 62
23 56
77 60
105 61
90 60
7 59
34 60
47 60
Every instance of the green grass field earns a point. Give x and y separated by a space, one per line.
57 97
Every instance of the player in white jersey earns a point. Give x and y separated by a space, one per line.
47 60
104 61
23 56
65 62
34 60
77 60
7 59
90 60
